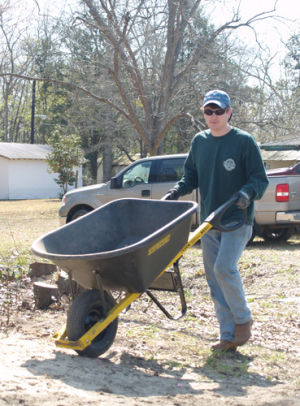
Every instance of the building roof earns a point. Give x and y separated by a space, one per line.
280 155
282 144
13 150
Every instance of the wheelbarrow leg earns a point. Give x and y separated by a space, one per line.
177 287
101 290
180 287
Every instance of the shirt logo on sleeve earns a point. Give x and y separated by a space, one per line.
229 164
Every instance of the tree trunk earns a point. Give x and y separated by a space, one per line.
107 158
44 294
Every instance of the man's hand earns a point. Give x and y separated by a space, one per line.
172 195
243 200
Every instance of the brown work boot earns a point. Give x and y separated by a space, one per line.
242 333
224 345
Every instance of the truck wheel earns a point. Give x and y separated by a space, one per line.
79 212
252 237
276 234
85 311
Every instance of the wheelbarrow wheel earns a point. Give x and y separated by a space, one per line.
85 311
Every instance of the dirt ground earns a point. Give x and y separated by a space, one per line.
154 360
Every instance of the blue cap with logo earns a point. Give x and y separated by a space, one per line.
217 97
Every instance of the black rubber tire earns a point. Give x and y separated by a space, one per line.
85 311
276 235
80 212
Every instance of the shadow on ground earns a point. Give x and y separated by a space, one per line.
128 375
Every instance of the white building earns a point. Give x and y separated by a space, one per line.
24 174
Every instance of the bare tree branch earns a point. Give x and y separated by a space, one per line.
72 85
171 122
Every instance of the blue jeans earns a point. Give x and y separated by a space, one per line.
221 253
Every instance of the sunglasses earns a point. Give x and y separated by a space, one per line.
218 112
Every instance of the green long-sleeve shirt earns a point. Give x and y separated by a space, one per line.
220 167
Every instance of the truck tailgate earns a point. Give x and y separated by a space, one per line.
267 208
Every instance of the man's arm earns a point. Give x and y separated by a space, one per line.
187 183
257 180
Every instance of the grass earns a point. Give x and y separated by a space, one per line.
23 221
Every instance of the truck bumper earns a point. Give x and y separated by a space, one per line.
62 214
288 217
62 220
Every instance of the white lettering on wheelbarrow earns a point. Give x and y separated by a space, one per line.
159 244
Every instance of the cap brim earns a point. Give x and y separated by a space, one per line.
217 102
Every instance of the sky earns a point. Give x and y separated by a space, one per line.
271 33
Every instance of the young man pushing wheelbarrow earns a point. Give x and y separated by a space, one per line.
223 161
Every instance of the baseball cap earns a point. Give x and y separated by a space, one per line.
217 97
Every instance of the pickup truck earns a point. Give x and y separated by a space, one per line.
277 214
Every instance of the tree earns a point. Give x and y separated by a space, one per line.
289 89
13 97
30 53
274 103
95 122
132 71
65 156
151 60
52 100
292 60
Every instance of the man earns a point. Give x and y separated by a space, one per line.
224 161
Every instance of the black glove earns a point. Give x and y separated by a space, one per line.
243 200
172 195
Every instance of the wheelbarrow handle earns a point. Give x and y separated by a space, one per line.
215 218
165 197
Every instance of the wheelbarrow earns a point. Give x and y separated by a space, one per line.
128 246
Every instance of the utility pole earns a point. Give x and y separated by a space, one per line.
32 112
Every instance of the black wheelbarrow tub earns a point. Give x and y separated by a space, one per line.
128 242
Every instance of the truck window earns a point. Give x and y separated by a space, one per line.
168 170
136 174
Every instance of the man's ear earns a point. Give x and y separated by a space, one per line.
230 112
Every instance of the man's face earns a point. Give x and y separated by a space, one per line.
215 117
